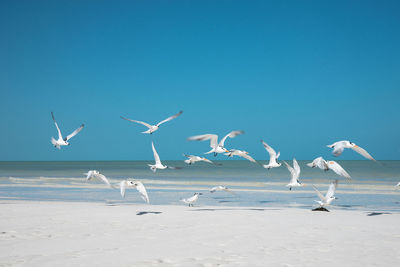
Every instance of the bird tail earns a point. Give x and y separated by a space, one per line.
53 141
146 132
211 151
310 165
187 161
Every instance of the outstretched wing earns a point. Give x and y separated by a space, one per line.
331 189
212 137
170 118
362 152
338 149
334 166
141 122
270 150
74 132
231 135
142 190
122 186
246 156
104 179
58 129
296 168
320 195
292 171
156 157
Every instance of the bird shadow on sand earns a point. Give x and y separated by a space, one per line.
140 213
377 213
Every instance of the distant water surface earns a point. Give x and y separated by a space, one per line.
372 186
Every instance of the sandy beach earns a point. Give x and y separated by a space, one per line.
99 234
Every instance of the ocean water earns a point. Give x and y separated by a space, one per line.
372 187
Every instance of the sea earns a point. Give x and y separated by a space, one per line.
371 188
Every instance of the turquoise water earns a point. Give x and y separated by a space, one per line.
372 186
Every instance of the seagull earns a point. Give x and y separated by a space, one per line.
339 146
295 173
153 128
136 184
158 164
216 147
272 157
221 188
191 199
63 141
329 197
193 159
240 153
329 165
96 174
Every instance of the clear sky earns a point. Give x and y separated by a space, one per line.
298 74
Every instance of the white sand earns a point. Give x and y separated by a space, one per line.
96 234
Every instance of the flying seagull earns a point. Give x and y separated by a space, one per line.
329 165
215 146
339 146
63 141
134 184
96 174
240 153
193 159
221 188
272 157
191 199
153 128
158 164
329 197
295 174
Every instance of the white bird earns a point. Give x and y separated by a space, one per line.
295 174
158 164
191 199
339 146
193 159
273 156
153 128
221 188
240 153
136 184
63 141
329 165
329 197
215 146
96 174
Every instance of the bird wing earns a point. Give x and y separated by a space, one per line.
215 188
338 149
270 150
142 190
320 195
212 137
141 122
334 166
122 186
231 135
58 129
246 156
156 156
292 171
362 152
88 175
331 189
104 179
169 118
296 168
74 132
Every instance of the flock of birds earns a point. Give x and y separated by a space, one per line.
219 148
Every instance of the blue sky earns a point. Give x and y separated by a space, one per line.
298 74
